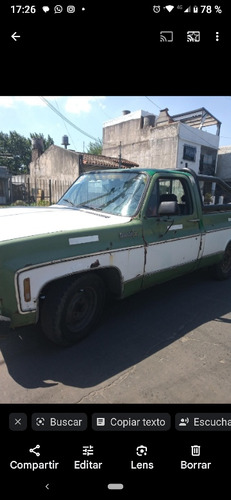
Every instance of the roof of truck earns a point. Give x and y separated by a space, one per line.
149 171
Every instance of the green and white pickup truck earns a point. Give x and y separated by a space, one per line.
114 232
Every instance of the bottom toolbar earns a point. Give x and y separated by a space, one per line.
123 421
47 453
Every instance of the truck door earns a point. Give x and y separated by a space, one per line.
172 239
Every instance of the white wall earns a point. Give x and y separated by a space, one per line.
196 138
224 163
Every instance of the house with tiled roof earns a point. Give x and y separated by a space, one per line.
55 169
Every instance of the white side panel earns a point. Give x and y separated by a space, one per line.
216 241
171 253
130 262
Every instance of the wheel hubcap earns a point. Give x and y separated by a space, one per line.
80 310
226 264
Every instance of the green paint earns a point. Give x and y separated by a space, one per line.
142 233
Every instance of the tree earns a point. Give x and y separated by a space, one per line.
95 148
15 151
46 142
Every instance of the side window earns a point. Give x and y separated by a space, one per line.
189 153
214 193
170 189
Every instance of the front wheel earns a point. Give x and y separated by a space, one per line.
223 268
69 312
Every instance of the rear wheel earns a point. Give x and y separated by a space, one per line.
69 312
223 268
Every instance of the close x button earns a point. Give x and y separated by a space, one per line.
18 421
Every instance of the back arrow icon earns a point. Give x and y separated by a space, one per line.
15 36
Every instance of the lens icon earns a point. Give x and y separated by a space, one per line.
70 9
156 9
58 9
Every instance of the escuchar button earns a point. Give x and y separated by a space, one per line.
203 421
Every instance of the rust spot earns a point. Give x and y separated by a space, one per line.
95 264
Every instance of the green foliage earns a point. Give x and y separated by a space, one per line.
15 151
46 142
95 148
42 203
19 203
208 198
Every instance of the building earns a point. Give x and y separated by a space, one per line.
54 170
164 141
224 163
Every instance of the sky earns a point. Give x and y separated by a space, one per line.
86 115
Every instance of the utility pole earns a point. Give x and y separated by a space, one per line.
120 159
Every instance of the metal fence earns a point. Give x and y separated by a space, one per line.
38 192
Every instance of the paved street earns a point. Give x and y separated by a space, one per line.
169 344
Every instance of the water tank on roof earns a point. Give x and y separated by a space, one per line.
65 141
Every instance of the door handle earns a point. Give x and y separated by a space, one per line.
193 220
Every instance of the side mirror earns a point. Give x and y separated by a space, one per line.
168 208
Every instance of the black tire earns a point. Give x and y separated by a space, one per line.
223 268
68 313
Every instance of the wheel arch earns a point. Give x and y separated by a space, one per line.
71 306
223 268
111 276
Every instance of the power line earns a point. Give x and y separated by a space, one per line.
66 119
66 127
152 101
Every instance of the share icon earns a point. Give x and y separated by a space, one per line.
32 450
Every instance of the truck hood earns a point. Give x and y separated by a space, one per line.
22 222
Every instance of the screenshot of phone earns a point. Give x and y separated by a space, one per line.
115 192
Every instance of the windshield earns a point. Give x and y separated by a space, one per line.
116 193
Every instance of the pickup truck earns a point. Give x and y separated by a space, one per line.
113 233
